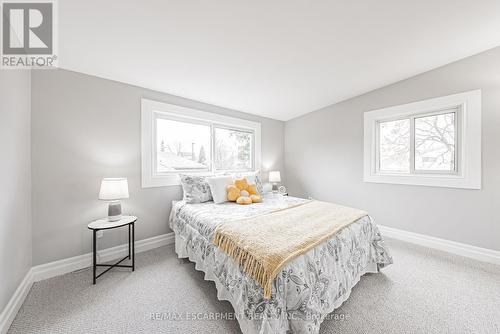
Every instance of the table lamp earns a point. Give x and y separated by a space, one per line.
113 190
274 178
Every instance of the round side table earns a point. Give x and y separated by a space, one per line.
105 224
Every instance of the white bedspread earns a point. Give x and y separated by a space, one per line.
308 288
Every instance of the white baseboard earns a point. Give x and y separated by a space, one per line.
473 252
9 312
56 268
60 267
64 266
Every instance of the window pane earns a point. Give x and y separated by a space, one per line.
182 146
435 142
394 149
233 149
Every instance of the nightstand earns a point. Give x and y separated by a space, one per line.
105 224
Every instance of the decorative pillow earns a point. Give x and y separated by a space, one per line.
218 185
243 192
233 193
244 200
195 188
256 198
252 177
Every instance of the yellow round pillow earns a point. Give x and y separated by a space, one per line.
244 200
241 184
256 198
252 189
245 193
232 193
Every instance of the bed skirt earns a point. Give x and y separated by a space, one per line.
304 293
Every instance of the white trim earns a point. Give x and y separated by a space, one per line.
64 266
469 138
16 301
151 109
469 251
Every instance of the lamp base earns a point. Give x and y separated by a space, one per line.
114 211
275 187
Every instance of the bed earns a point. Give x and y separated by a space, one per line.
307 289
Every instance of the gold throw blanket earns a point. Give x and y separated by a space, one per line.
264 244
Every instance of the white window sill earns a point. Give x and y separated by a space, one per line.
430 180
173 179
160 181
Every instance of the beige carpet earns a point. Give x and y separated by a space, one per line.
424 291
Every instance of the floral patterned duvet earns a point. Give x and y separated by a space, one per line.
308 288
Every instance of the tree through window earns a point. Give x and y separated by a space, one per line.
435 142
418 143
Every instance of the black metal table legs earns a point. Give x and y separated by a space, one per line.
94 252
130 255
133 246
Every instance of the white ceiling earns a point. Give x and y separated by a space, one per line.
278 59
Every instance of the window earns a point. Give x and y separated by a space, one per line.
394 146
436 142
233 149
418 143
178 140
182 146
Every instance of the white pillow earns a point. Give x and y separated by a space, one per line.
218 186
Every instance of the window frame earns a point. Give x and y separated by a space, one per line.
467 173
151 111
411 118
458 111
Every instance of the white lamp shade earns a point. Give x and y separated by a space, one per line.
113 189
274 177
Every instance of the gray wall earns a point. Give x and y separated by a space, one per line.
324 158
85 128
15 181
